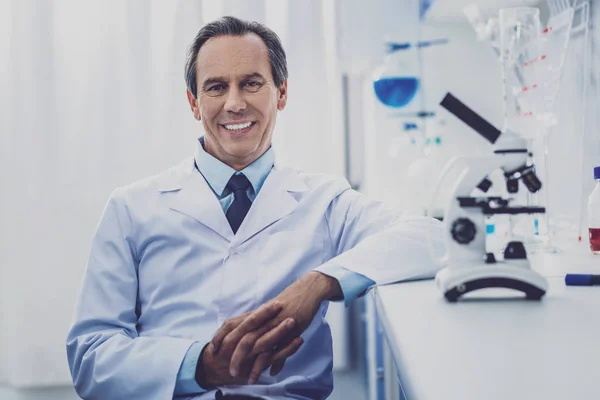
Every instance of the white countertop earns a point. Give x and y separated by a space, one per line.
493 348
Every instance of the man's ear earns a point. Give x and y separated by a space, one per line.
283 92
193 104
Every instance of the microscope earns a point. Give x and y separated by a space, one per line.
469 266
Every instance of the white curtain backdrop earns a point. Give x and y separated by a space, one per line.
93 97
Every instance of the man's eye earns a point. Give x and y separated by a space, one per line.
216 88
252 85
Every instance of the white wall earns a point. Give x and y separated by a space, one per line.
5 123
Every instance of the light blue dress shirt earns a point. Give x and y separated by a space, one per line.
217 175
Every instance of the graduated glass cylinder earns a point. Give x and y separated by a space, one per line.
520 57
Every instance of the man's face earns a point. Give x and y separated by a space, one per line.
237 98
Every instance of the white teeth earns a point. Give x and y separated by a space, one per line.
238 127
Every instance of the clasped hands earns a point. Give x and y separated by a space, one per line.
248 344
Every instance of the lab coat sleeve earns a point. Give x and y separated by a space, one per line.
107 358
380 244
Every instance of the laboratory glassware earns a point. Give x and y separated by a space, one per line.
594 214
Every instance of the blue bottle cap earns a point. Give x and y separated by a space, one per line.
597 172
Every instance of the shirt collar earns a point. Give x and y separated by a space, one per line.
217 173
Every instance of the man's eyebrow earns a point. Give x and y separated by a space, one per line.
254 75
210 81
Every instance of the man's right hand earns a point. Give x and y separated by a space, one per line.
217 360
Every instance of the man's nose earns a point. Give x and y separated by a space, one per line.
235 102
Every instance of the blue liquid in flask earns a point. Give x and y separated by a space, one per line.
396 92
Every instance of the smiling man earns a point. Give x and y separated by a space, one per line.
235 95
211 280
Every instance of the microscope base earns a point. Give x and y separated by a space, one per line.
454 282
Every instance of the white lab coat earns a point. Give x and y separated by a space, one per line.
166 270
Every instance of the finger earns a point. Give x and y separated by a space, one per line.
288 350
277 367
247 344
259 317
278 360
245 370
252 322
239 326
225 329
261 363
274 337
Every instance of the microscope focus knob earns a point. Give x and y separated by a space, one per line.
463 230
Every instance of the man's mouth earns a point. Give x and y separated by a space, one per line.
239 127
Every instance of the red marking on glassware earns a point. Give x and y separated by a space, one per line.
548 29
543 57
526 88
528 63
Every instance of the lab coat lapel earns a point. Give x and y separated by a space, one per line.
195 198
274 201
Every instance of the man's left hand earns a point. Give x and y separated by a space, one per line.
300 301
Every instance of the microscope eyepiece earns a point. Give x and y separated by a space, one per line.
531 181
527 175
512 185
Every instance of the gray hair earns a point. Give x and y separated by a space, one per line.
236 27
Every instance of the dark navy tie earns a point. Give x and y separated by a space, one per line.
238 184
